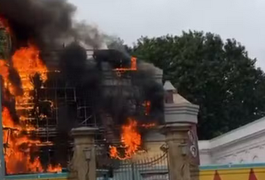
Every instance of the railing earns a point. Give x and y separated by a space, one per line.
142 166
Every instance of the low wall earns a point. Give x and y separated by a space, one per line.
225 172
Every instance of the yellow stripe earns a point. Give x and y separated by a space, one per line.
233 174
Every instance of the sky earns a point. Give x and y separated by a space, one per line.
243 20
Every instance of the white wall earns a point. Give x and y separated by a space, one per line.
243 145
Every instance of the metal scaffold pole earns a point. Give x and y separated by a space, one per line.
2 158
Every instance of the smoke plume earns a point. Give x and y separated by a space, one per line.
46 23
49 24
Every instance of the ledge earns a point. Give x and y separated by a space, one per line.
82 131
181 113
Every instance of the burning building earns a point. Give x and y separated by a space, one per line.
47 88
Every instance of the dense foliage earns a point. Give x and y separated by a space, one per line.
215 74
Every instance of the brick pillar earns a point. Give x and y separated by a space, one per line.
83 163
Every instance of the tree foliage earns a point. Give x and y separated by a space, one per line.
215 74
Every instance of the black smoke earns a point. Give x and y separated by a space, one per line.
120 101
81 73
114 97
43 22
48 24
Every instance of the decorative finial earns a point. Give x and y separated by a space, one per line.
169 87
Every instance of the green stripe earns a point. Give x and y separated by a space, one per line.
62 175
236 166
37 176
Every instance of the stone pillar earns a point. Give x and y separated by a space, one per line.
181 137
83 163
176 139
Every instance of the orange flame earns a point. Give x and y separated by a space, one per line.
132 68
27 62
54 169
4 72
18 146
130 139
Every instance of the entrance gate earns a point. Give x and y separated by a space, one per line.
143 167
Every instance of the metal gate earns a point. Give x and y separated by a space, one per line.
143 167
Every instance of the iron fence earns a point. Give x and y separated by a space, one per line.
146 166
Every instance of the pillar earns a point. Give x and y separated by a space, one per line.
83 163
176 139
181 136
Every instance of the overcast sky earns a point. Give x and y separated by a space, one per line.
243 20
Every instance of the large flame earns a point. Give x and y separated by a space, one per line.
17 145
18 148
27 62
130 139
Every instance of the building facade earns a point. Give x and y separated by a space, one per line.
235 155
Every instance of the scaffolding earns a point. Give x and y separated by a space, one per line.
44 111
54 107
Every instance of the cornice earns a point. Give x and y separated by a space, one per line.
240 140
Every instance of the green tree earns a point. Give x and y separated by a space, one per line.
215 74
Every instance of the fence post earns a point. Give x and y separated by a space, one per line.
133 170
83 164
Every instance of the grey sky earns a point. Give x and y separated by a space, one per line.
243 20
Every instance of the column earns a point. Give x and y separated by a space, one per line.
83 164
181 136
176 139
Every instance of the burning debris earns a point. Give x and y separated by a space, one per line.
120 89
